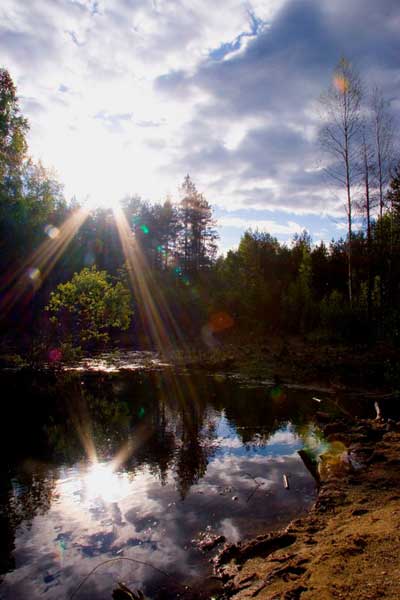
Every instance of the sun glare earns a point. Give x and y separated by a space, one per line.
41 262
102 482
101 200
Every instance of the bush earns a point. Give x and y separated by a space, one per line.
87 307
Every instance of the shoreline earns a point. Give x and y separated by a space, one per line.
347 546
293 360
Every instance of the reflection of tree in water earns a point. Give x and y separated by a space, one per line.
257 413
162 416
158 444
86 420
169 418
7 535
21 499
32 494
26 482
194 449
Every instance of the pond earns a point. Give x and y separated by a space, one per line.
142 464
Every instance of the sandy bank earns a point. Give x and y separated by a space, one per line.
348 546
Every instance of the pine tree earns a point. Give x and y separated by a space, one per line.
198 235
13 129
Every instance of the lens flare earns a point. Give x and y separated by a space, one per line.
55 355
161 328
34 273
220 321
16 285
341 83
52 231
155 313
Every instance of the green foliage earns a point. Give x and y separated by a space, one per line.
198 234
30 196
376 300
299 303
89 305
13 129
331 309
263 286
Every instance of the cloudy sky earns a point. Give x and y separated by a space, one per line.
127 96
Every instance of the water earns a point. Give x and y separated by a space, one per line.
144 465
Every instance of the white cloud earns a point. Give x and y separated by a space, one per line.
104 60
261 224
244 128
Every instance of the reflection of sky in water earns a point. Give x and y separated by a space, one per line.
283 442
96 514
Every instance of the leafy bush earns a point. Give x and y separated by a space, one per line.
88 306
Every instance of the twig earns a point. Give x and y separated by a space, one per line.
377 410
252 477
111 560
258 485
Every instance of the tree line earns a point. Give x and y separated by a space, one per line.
78 287
358 136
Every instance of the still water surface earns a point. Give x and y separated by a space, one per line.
141 464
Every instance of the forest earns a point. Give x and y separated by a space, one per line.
148 274
182 422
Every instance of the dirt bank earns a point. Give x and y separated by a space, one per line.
348 546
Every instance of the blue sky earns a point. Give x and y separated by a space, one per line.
126 97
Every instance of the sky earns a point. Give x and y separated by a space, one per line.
128 96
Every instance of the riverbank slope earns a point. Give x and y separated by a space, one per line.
348 546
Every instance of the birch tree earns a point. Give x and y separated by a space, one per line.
383 141
339 138
367 203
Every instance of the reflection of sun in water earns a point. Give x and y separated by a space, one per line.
101 482
96 482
